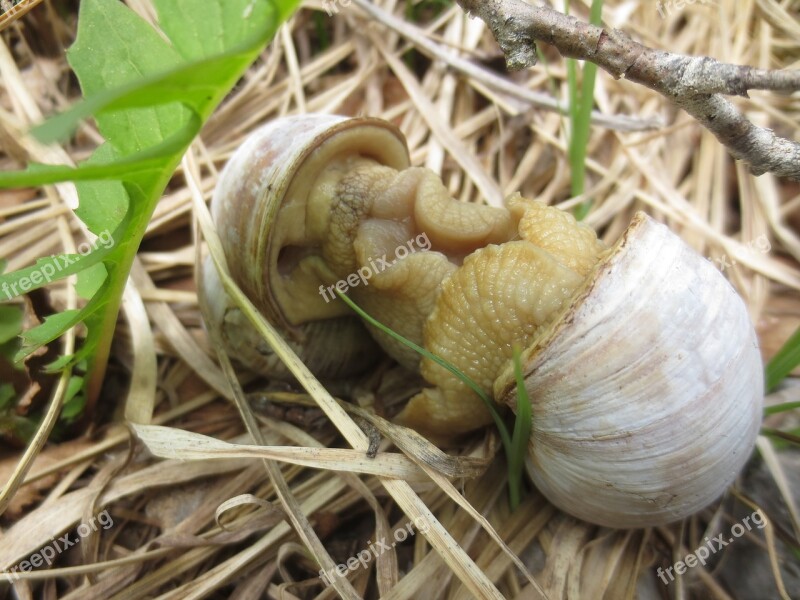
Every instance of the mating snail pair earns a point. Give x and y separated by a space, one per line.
640 359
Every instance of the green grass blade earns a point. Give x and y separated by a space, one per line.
501 426
580 111
521 436
793 437
516 445
779 408
784 362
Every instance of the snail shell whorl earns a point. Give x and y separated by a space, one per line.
275 169
260 209
647 393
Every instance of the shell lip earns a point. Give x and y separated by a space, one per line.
505 384
318 146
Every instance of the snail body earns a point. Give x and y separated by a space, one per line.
640 359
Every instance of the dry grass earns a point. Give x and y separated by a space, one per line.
170 537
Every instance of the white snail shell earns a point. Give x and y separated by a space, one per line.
647 393
643 371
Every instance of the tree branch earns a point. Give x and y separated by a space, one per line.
695 84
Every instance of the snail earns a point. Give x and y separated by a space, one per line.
640 360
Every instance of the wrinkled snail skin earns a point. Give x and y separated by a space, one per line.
640 359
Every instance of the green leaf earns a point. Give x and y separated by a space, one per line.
7 394
91 314
10 322
90 280
149 97
52 327
198 28
784 362
74 407
129 168
11 318
131 49
180 86
74 401
53 268
104 203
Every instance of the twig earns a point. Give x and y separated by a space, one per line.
695 84
417 37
